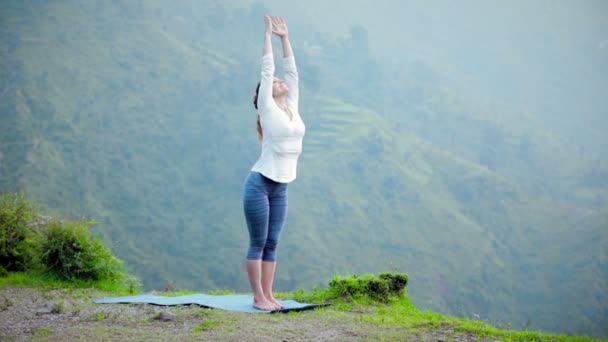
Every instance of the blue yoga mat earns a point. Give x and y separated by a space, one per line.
241 303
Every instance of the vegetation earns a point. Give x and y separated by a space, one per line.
377 287
71 252
73 258
362 293
54 251
17 238
358 307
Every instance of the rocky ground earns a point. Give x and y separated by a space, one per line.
32 314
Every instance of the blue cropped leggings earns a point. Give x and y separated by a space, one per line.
265 206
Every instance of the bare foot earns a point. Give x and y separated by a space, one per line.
264 305
275 302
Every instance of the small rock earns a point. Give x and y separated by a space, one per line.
46 308
41 312
166 316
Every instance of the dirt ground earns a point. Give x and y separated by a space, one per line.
30 314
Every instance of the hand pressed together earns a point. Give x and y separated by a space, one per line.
279 26
276 25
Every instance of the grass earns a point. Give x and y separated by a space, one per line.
361 315
43 331
401 313
207 324
98 316
57 308
45 281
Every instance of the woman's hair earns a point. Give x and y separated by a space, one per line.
255 104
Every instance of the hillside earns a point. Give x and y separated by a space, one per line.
137 115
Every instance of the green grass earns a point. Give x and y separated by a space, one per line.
207 324
98 316
401 313
396 313
45 281
43 332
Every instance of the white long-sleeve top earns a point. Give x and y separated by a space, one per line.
282 137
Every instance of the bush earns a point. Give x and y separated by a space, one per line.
375 287
3 271
45 246
17 239
397 281
71 252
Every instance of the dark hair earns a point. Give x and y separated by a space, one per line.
255 104
255 98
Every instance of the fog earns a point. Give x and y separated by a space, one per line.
547 57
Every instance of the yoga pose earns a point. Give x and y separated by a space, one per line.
281 131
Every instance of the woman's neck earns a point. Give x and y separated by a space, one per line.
280 101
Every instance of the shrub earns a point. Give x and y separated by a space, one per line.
397 281
17 238
375 287
71 252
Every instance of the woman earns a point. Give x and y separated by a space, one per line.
281 131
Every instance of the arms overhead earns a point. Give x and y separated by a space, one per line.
280 29
267 35
267 72
278 26
291 72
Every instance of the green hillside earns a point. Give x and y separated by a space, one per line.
138 116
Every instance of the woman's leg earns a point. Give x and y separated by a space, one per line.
254 271
268 270
256 208
277 215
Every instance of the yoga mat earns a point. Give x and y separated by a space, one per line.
241 303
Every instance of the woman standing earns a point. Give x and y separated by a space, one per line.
281 131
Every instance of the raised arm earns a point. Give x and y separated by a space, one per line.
280 29
267 74
267 35
289 63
